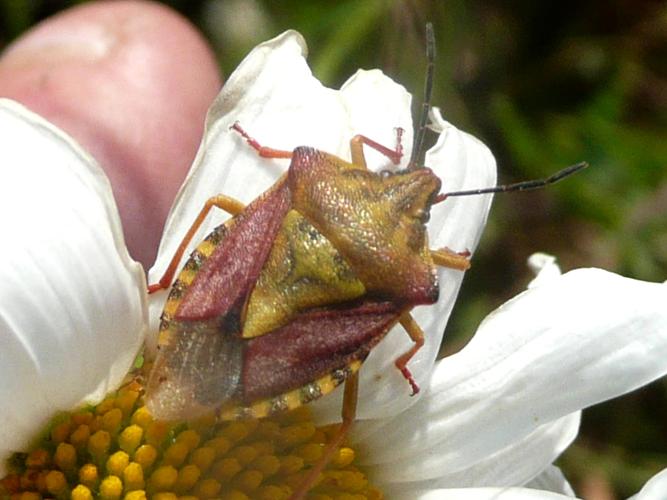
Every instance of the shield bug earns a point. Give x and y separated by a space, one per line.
284 301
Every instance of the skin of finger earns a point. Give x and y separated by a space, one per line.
131 82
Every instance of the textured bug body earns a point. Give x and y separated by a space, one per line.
284 301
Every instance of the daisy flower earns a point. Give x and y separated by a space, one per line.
489 422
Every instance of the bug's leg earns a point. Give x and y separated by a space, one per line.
445 257
417 335
348 413
229 205
263 151
357 149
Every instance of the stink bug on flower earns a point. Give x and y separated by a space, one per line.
285 300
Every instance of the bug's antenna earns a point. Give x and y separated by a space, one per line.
416 159
519 186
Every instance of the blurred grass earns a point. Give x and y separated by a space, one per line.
545 85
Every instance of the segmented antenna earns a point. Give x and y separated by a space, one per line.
417 157
519 186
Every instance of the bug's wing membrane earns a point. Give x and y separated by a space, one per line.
194 372
199 362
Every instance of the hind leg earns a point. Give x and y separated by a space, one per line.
348 412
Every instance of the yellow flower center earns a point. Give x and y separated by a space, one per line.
117 450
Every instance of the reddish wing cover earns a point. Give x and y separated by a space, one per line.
312 345
229 274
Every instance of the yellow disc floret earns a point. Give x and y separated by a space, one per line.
116 450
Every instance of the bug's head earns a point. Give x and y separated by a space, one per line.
408 197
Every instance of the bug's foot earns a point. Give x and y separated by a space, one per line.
408 376
263 151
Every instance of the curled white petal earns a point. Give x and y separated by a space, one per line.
72 302
584 337
552 479
545 268
654 489
462 162
482 494
274 96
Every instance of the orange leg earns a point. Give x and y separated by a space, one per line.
417 335
263 151
229 205
357 149
445 257
348 413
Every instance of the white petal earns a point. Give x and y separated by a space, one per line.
654 489
480 494
552 479
72 302
277 100
444 467
584 337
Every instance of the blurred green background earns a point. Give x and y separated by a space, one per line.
545 85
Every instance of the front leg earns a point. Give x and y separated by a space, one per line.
357 149
229 205
417 335
445 257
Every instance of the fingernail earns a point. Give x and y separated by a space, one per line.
59 43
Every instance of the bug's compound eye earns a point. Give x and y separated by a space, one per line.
423 215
